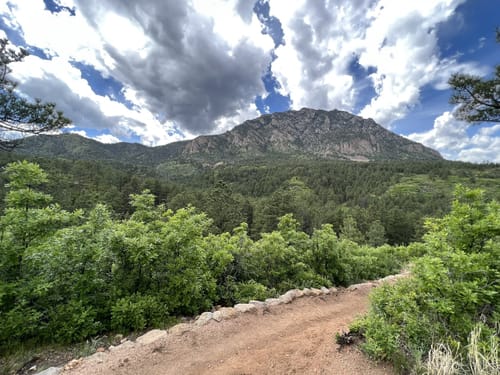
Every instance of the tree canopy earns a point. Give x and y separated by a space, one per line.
20 116
479 98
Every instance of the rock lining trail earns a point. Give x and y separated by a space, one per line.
294 336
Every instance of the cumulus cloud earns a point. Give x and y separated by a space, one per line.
107 138
201 64
451 138
394 41
196 65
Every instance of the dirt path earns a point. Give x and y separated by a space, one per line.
297 338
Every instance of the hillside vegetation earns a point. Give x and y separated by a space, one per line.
67 275
387 199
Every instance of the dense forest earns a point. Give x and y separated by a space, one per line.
371 203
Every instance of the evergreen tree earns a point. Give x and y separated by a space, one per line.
18 115
376 234
350 231
479 98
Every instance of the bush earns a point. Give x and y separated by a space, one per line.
250 290
137 312
452 289
71 322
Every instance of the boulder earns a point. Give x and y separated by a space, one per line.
325 290
245 307
288 296
259 304
228 312
204 319
217 316
151 336
316 292
273 302
307 292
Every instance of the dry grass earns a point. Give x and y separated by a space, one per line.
478 361
481 363
442 361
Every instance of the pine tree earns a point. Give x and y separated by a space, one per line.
479 98
20 116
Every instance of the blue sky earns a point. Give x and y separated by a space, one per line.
163 70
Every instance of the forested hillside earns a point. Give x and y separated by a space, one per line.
368 202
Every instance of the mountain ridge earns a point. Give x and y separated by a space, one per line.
306 133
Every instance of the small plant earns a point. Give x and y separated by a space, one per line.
347 338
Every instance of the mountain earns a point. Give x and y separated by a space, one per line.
306 134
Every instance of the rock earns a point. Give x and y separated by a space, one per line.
32 368
259 304
217 316
366 285
245 307
307 292
316 292
151 336
333 290
325 290
273 302
228 312
123 340
50 371
204 319
298 293
180 329
100 350
288 296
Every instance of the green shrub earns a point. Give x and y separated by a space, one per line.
452 289
137 312
71 322
250 290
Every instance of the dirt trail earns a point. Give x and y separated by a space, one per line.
297 338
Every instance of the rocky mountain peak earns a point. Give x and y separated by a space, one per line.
306 134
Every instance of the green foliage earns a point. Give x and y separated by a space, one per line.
137 312
350 231
67 276
18 115
327 256
479 98
453 288
376 234
250 290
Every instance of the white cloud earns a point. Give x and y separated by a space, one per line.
227 123
58 81
450 137
197 65
397 39
320 41
107 138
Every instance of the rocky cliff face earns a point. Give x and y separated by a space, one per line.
314 133
306 133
